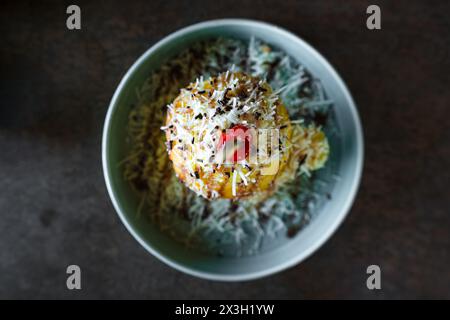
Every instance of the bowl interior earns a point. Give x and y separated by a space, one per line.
345 160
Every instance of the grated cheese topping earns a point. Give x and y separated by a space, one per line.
200 116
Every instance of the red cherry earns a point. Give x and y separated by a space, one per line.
237 133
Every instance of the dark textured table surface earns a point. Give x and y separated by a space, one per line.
55 88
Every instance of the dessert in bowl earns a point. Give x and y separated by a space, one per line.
232 150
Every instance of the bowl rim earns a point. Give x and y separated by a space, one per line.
339 216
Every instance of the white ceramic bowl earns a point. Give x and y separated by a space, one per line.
346 156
